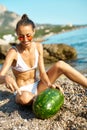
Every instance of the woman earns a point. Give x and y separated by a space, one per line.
24 60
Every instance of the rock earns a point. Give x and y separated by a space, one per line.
3 52
72 115
52 52
4 49
2 56
55 52
3 42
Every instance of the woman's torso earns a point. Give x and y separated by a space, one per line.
25 65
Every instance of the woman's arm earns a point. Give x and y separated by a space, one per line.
7 79
43 75
7 63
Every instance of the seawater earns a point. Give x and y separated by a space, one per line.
77 39
0 65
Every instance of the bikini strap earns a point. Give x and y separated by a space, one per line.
14 47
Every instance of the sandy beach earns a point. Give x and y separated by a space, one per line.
72 115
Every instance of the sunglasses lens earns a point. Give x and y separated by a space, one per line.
29 38
21 38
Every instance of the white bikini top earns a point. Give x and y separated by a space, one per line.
21 66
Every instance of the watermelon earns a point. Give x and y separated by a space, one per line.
47 103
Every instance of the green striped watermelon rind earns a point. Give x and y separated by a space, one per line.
48 103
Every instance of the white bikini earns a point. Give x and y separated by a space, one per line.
22 67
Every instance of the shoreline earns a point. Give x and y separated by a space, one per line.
42 39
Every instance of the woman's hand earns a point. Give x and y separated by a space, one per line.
57 86
11 84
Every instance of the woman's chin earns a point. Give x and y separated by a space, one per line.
26 43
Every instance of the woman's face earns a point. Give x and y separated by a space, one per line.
25 34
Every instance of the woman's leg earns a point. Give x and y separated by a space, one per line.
25 98
63 68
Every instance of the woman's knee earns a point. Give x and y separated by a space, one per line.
25 98
60 65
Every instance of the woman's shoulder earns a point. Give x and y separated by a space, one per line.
12 52
39 46
12 49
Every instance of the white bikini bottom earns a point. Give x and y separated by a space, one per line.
29 88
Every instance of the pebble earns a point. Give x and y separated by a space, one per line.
72 115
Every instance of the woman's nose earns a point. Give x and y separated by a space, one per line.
25 38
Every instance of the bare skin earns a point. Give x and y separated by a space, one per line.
26 49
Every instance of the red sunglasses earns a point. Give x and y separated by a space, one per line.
22 38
